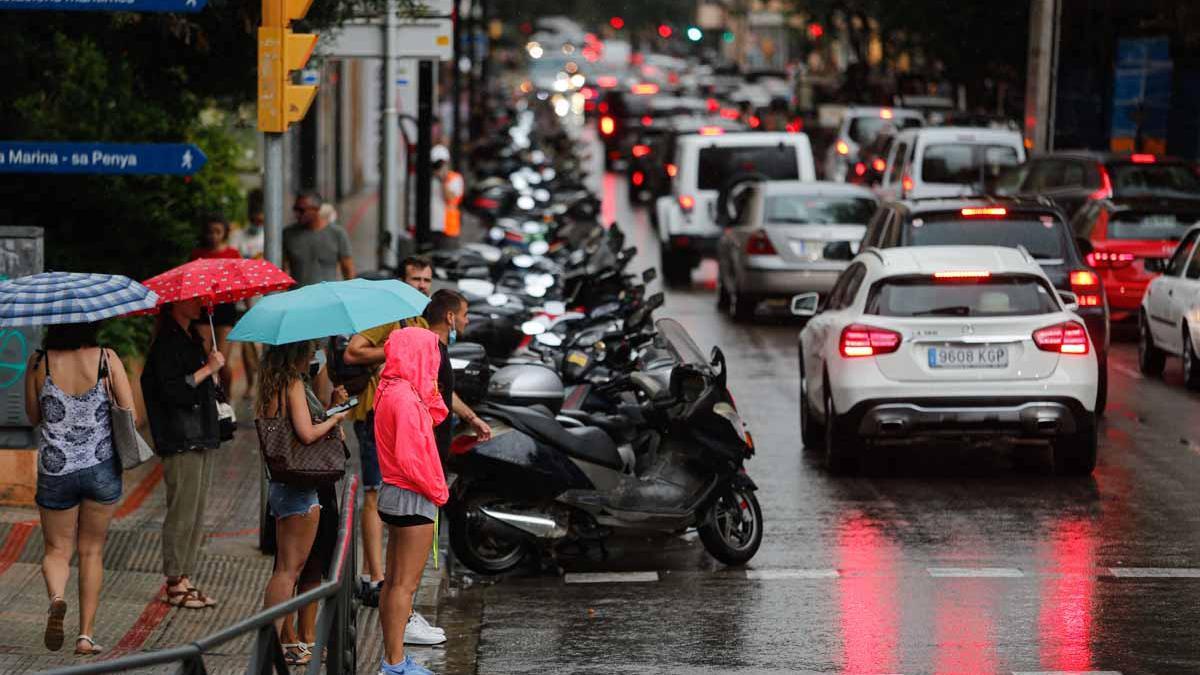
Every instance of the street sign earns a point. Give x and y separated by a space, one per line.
422 38
105 5
180 159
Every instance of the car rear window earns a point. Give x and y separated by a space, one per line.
1151 225
719 165
1005 295
965 163
1153 179
1041 236
863 130
817 210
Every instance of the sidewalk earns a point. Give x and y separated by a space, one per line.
131 618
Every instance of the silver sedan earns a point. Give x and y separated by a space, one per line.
785 238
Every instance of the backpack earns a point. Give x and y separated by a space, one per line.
354 378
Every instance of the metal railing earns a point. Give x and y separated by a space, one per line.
336 623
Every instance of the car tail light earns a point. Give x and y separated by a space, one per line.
1086 286
603 107
730 113
486 203
843 148
1142 158
638 178
640 150
760 244
907 183
860 169
687 203
886 114
1069 337
755 122
645 89
1109 259
713 105
861 340
983 211
588 93
711 131
672 170
879 165
607 125
606 81
647 120
962 275
1105 190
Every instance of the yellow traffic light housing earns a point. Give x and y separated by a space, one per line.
280 53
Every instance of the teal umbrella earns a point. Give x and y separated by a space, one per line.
329 308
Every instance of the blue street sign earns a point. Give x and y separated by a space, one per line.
180 159
106 5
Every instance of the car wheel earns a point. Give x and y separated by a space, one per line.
1075 455
1191 363
1151 359
676 270
841 449
1102 384
811 431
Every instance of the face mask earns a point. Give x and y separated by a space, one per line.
317 363
453 336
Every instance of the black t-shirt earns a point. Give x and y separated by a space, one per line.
442 432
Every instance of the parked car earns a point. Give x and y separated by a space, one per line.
954 342
860 125
1075 178
706 163
1169 320
948 161
1127 240
788 237
1037 226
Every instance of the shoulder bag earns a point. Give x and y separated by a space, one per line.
131 447
290 461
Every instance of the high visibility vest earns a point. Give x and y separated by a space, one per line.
453 187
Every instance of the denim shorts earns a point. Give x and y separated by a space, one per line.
368 456
291 500
100 483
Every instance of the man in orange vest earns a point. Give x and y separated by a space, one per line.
448 189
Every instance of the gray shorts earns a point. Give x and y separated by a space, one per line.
401 507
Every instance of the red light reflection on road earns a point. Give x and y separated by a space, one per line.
1068 594
965 640
867 597
608 199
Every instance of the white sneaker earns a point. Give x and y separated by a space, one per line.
419 632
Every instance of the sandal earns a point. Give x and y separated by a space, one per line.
91 650
188 599
208 602
296 654
54 624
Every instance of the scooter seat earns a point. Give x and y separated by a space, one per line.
589 444
595 446
619 427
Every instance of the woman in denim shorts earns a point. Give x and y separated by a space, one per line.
283 381
79 472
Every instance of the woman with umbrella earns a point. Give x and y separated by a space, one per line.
69 386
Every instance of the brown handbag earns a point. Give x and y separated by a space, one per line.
292 462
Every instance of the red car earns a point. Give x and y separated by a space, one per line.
1124 235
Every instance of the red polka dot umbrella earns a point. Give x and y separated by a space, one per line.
217 281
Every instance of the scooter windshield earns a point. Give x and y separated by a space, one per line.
681 343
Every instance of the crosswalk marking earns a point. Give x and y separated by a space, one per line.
1156 572
610 577
776 575
985 572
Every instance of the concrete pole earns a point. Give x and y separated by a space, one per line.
1042 73
389 213
456 91
273 180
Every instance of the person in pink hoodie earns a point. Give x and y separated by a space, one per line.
407 407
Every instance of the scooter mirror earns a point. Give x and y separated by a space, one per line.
549 339
533 328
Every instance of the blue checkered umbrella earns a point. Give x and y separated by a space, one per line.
70 297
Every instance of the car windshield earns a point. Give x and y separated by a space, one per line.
1153 179
965 163
1041 236
1156 225
774 162
680 343
819 210
863 130
1009 295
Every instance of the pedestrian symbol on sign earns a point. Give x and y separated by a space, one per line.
187 159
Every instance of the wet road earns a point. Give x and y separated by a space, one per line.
954 562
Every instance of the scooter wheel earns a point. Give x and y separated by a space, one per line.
732 529
479 546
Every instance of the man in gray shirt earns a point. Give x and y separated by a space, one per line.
314 250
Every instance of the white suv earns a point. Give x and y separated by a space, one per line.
948 161
946 341
708 162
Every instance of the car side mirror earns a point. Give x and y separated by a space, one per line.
1085 246
806 305
1070 300
1155 265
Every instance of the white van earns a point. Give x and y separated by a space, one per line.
706 163
948 161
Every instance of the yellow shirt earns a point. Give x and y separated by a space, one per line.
376 337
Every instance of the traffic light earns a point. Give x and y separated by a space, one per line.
815 31
280 53
617 23
665 31
695 34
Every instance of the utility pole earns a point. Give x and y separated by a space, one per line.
389 213
1041 79
424 177
456 89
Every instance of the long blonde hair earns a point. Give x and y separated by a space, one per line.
281 365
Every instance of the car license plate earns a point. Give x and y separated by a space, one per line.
984 356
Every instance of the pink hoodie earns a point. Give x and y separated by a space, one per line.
407 407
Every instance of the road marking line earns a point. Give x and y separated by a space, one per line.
1155 572
139 493
1125 370
154 613
968 572
610 577
776 575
